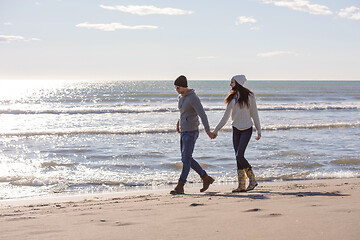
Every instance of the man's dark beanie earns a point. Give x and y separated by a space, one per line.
181 81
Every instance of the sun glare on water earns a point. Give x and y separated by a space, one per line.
12 90
18 97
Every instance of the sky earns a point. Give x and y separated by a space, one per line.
162 39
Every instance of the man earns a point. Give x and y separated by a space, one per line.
188 126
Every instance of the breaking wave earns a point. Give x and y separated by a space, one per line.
151 109
167 130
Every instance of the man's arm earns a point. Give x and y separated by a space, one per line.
201 112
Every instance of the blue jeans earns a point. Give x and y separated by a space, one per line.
240 142
187 145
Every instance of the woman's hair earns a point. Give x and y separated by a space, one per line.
240 91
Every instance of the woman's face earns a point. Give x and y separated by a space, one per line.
232 83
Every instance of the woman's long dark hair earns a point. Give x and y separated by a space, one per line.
240 91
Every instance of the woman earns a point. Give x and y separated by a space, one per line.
241 105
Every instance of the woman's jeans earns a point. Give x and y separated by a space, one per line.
187 145
240 141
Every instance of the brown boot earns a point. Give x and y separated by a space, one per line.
207 180
179 189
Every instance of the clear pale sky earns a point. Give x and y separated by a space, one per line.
159 40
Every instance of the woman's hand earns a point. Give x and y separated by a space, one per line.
211 135
258 137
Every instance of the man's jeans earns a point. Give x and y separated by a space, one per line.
187 144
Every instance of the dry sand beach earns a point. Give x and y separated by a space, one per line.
317 209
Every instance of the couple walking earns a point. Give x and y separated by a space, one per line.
241 106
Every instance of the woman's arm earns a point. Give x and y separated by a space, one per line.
254 115
225 118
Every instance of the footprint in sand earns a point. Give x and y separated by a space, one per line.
275 214
122 224
117 223
253 210
196 204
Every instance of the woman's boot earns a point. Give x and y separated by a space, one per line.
207 180
179 189
241 180
251 176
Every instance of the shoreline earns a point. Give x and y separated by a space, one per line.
191 186
73 196
301 209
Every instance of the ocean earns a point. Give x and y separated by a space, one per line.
75 137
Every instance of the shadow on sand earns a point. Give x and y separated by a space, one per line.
262 195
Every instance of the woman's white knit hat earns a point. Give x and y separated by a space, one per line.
240 79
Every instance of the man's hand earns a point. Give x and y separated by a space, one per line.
258 137
211 135
178 127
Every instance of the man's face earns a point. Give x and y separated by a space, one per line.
180 90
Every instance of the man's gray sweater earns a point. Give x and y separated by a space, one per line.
190 110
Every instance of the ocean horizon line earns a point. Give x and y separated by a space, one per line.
164 80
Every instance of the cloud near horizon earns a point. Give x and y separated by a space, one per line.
10 38
276 53
115 26
350 13
147 10
244 19
301 5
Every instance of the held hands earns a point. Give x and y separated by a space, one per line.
211 135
